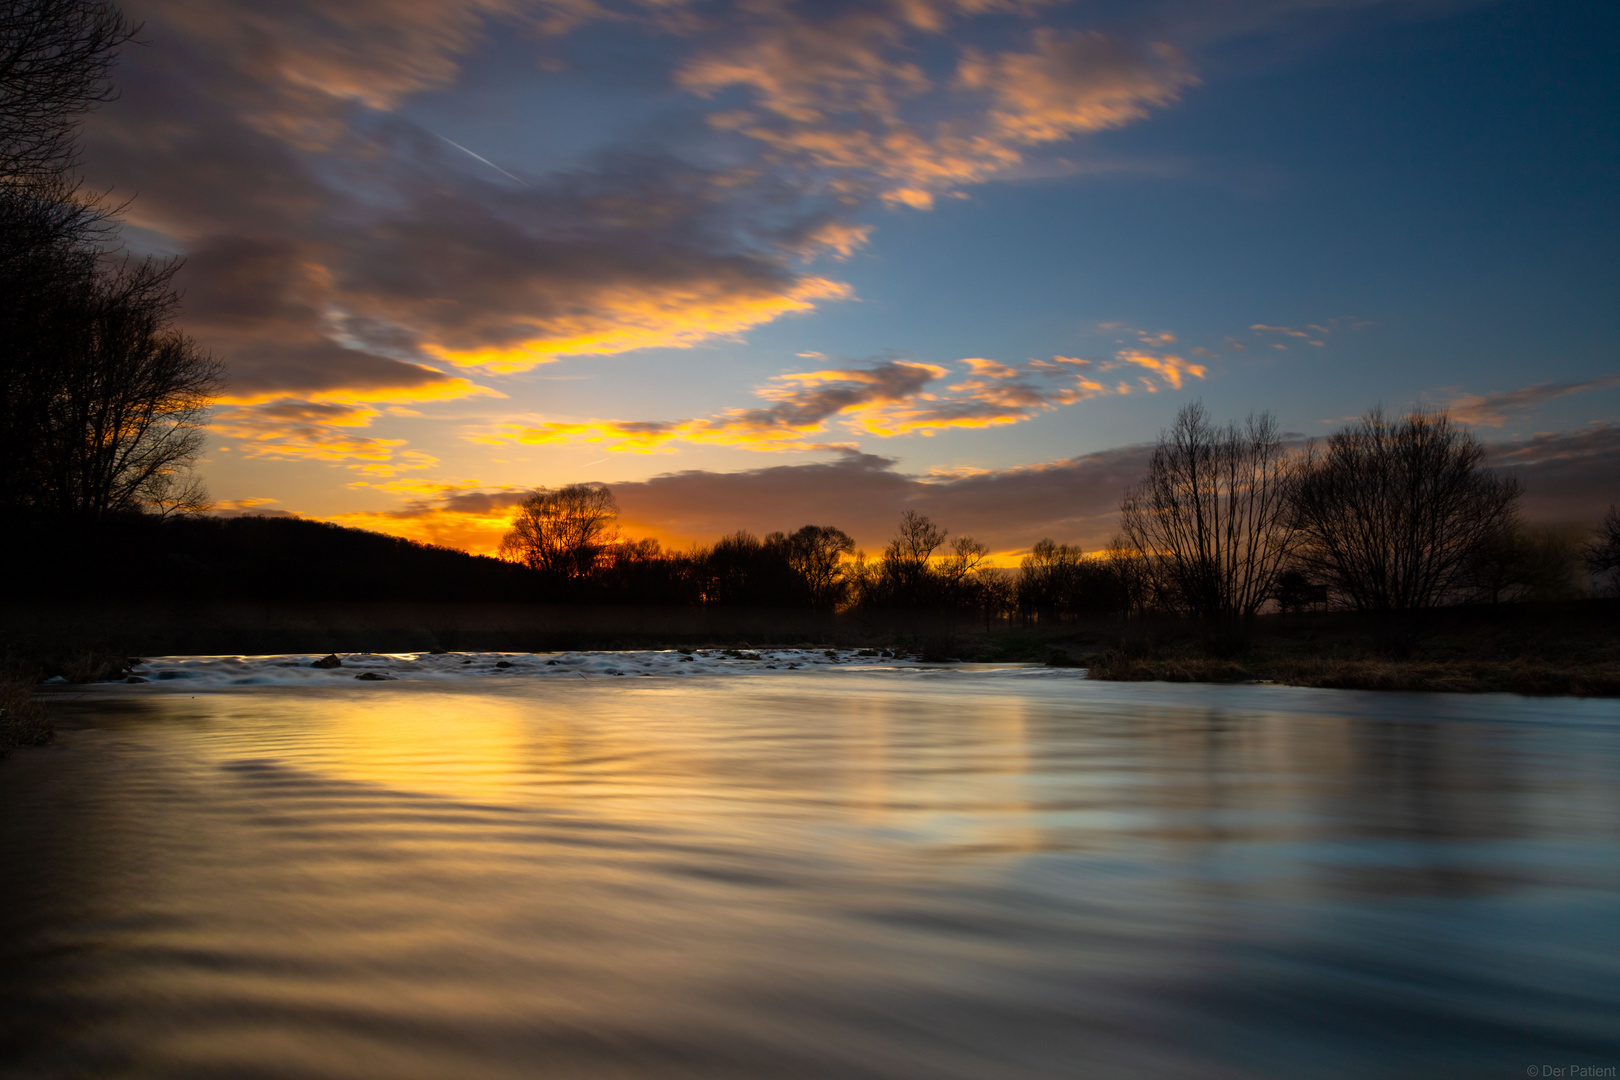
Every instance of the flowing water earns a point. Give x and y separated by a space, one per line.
827 872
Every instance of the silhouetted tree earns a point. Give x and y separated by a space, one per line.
906 558
997 594
1047 580
902 577
55 58
745 571
1393 512
563 532
1129 577
815 554
173 492
1296 592
1211 520
1519 562
1058 581
958 570
101 399
1603 551
643 572
918 570
127 395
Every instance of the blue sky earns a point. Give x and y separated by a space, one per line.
831 209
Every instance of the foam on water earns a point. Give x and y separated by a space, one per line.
298 669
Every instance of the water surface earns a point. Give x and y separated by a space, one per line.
829 872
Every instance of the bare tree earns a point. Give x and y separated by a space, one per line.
172 492
120 395
55 58
49 260
1603 552
997 593
1211 519
906 558
815 554
1393 512
563 531
966 556
1527 563
1131 581
1046 579
101 399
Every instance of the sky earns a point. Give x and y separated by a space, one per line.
758 264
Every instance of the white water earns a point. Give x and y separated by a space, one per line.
298 669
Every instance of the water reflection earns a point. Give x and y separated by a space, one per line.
827 874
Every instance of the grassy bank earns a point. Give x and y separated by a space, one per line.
1570 648
23 721
1448 676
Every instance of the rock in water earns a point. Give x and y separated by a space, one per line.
372 676
330 660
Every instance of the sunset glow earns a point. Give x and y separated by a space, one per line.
459 251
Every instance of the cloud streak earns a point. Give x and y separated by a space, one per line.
886 399
1494 410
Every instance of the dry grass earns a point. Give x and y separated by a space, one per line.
23 721
1465 677
1118 667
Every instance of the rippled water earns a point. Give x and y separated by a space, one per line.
815 873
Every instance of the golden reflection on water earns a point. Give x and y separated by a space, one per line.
452 745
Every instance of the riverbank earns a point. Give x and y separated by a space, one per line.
23 720
1570 648
1458 677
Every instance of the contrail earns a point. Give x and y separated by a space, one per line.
598 461
480 157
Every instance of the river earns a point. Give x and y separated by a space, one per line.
843 871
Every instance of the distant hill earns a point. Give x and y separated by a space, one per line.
246 558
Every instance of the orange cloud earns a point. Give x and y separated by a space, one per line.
838 94
445 388
1170 369
803 70
624 319
451 515
289 429
374 52
993 395
887 399
1493 410
305 430
1073 83
1311 335
840 238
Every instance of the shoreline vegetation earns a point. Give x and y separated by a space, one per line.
1565 648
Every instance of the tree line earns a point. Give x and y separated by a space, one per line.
1389 514
102 398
